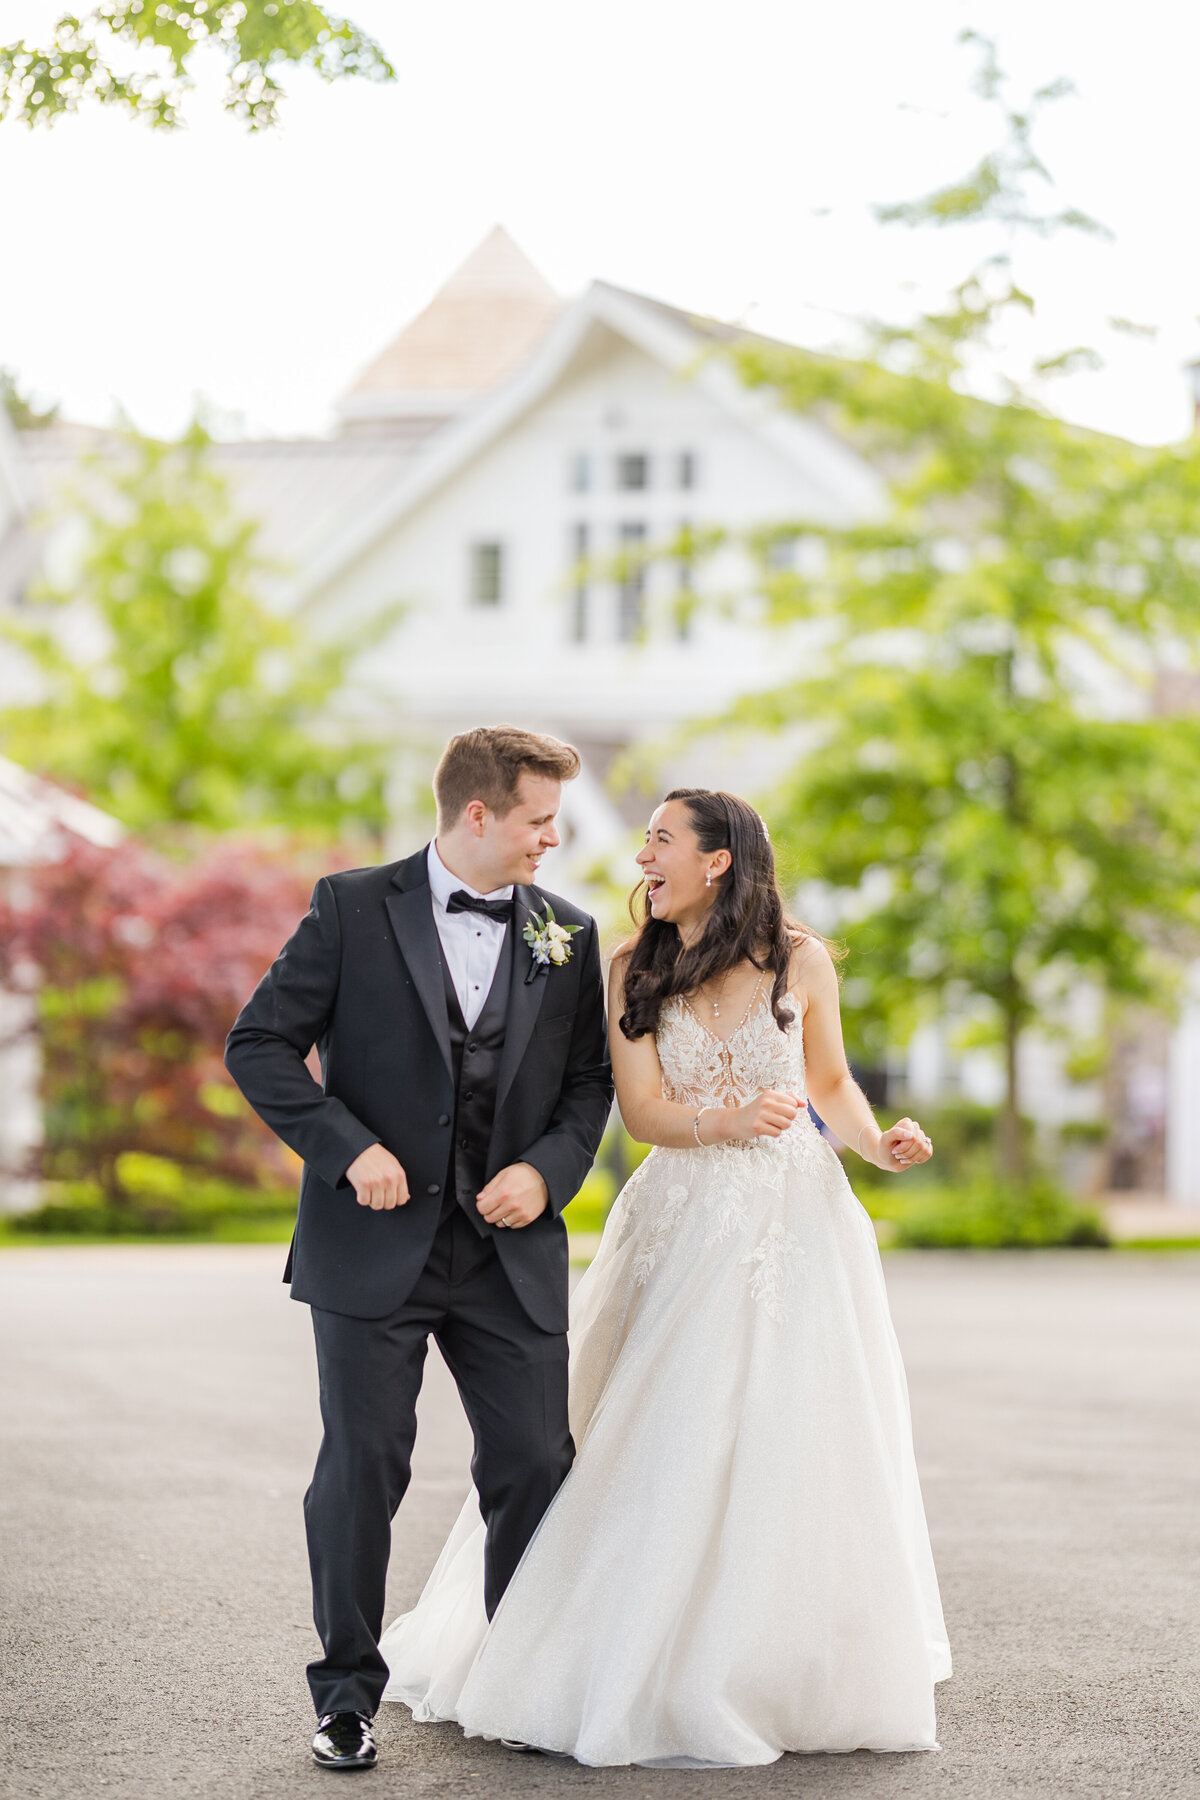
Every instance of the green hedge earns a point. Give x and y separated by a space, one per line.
589 1209
957 1200
162 1199
963 1153
157 1198
995 1215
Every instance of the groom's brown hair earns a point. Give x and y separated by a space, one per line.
487 763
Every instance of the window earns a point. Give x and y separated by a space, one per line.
580 472
633 472
631 594
796 552
685 576
487 574
579 588
686 469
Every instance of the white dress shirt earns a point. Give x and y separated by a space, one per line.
471 941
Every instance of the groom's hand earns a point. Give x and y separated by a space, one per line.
515 1197
377 1179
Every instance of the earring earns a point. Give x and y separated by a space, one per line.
708 879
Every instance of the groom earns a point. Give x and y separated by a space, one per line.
465 1086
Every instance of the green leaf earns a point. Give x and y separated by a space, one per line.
203 708
85 61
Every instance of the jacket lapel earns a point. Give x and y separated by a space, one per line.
410 910
524 997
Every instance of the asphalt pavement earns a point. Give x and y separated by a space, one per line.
157 1429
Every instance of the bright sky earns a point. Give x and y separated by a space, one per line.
723 158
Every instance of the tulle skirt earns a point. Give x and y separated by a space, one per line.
738 1563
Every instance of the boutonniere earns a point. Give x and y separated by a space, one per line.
549 941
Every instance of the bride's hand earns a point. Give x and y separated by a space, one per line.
902 1147
768 1115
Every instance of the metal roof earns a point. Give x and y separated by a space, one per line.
302 493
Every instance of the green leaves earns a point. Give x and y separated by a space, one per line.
988 780
989 768
20 409
996 190
83 62
190 702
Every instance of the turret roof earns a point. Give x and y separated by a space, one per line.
480 325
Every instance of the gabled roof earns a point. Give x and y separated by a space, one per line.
686 345
480 325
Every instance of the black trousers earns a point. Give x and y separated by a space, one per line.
512 1378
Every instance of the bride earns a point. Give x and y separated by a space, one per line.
738 1563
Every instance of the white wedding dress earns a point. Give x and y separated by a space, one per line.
738 1563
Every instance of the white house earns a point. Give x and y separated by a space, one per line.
495 472
502 440
37 822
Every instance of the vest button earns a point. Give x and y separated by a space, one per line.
469 1048
465 1142
470 1094
443 1118
433 1188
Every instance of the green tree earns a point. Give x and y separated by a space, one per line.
85 61
988 773
20 408
170 693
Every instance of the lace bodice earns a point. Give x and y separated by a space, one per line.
736 1188
700 1069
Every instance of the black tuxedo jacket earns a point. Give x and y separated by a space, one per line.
361 977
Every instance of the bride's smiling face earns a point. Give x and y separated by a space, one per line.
676 870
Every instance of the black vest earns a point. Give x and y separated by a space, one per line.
476 1058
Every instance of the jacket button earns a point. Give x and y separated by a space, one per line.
443 1118
433 1188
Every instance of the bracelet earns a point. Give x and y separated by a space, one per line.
696 1126
858 1141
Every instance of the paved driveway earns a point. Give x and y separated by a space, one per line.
159 1422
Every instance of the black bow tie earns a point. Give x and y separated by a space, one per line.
461 901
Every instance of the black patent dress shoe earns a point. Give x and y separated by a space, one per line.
344 1740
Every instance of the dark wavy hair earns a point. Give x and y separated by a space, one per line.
747 921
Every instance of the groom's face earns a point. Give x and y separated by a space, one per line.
516 842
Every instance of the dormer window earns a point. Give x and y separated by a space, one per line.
633 472
487 574
685 468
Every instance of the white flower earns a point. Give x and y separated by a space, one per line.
549 942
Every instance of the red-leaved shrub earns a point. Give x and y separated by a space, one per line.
137 966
